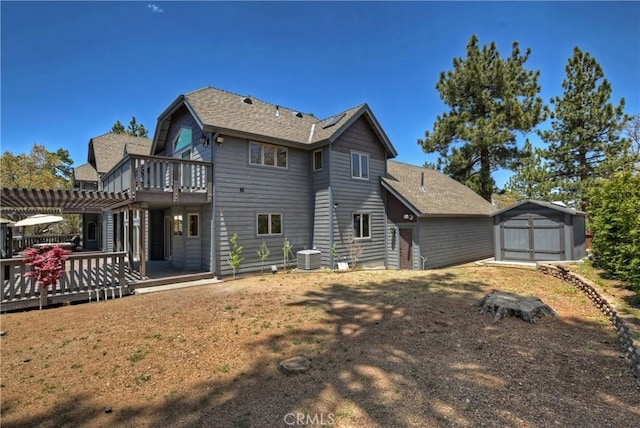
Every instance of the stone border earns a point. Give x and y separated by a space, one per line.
624 328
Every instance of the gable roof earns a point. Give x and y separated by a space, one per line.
442 195
107 150
544 204
216 110
85 172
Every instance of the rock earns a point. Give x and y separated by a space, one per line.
504 304
295 365
108 410
3 333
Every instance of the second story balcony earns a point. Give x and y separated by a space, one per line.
161 180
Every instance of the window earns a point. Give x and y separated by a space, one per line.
361 226
177 225
269 224
360 166
264 154
193 225
183 141
317 160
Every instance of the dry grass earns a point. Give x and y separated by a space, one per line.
388 348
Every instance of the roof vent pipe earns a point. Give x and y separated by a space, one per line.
247 100
277 111
422 181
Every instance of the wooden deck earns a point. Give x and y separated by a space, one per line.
89 277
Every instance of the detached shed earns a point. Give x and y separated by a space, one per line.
532 231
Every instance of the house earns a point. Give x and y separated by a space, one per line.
104 154
433 220
222 164
532 231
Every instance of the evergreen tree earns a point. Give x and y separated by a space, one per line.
584 140
118 128
134 129
490 98
531 179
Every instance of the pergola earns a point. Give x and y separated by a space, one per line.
69 201
65 201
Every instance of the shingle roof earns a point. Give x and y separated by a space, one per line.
109 149
85 172
545 204
442 195
226 111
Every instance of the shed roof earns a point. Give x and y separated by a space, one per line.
108 149
545 204
441 195
217 110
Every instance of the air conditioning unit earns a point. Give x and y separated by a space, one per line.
309 259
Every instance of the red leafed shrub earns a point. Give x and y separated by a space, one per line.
47 264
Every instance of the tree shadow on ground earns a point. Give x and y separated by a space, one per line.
402 353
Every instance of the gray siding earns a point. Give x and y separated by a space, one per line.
206 237
107 230
192 245
356 195
181 118
321 229
448 241
393 249
321 177
243 191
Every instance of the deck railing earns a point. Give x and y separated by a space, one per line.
136 173
90 276
22 242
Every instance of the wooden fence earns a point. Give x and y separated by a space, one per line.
88 276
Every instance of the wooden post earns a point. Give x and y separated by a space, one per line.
143 240
130 239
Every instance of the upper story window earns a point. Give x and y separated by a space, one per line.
360 165
268 155
183 141
317 160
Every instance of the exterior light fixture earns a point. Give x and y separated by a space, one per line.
219 141
204 140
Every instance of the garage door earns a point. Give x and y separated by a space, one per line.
532 238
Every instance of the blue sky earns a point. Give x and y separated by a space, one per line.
69 70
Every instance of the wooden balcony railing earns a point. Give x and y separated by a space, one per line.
143 176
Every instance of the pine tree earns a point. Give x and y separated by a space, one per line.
134 129
531 179
490 98
584 140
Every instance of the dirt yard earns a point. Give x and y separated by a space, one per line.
388 349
